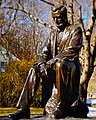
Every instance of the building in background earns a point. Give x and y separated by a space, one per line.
5 56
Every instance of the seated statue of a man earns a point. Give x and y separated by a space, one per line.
59 68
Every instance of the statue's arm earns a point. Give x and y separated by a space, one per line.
75 39
73 48
75 43
43 57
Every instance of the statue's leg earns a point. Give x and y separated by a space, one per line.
54 104
26 96
65 86
28 90
79 109
47 85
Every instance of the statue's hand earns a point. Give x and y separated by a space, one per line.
51 63
43 70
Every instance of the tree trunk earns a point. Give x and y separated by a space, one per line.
70 11
90 53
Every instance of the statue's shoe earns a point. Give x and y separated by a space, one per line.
20 114
59 114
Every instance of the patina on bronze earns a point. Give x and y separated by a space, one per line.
59 68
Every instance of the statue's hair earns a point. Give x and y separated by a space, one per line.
59 10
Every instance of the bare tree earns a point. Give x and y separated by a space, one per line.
25 39
90 52
89 42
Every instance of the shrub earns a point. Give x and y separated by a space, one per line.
12 81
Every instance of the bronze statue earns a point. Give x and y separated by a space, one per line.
59 68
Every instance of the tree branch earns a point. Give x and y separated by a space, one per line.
92 21
31 17
80 18
47 2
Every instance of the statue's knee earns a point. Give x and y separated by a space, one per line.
59 64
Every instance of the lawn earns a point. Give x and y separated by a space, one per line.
7 111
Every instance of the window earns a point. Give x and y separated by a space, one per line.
2 67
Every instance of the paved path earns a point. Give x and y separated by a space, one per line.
46 118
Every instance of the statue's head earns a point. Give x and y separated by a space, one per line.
59 15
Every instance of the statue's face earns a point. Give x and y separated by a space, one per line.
59 15
59 21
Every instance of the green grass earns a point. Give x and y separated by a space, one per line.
7 111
